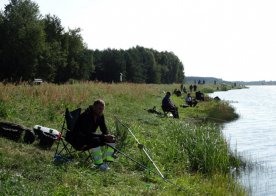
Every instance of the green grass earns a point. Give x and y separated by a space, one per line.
189 151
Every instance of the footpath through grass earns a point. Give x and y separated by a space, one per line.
189 151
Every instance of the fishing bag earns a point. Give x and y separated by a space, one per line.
29 136
11 131
14 132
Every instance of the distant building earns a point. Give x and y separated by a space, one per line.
37 81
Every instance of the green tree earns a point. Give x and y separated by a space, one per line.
98 73
52 55
135 67
171 67
22 39
109 64
2 71
79 60
86 64
152 69
138 65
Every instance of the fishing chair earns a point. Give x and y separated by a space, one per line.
166 111
170 112
67 147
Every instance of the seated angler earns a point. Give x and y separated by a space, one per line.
86 127
168 106
199 96
190 101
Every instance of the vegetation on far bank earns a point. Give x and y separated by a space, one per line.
190 152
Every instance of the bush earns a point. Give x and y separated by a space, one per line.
207 90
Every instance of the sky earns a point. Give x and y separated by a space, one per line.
230 39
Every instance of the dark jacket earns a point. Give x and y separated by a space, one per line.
167 104
86 125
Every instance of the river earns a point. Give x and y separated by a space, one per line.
253 135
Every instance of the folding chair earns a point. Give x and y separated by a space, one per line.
168 112
165 111
66 147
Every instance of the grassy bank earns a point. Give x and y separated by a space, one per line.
190 151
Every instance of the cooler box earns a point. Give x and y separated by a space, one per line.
46 135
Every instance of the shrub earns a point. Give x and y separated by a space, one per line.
207 90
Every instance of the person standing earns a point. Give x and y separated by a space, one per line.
195 88
191 88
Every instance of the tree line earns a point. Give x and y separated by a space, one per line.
35 46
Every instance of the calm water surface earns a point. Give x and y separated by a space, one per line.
253 135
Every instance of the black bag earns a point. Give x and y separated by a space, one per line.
14 131
47 140
29 137
11 131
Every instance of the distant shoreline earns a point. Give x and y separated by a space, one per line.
211 80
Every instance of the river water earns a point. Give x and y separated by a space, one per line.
253 135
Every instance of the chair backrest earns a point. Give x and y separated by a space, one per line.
71 118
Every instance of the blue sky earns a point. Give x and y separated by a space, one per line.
228 39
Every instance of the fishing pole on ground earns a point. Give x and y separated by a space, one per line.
145 167
142 147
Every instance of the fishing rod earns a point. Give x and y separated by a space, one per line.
145 167
141 146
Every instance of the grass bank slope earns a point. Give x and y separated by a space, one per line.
190 151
